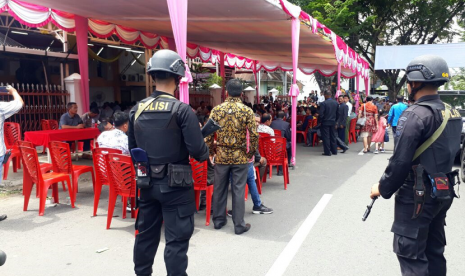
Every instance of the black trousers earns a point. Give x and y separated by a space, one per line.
394 130
220 194
175 209
328 135
419 243
341 133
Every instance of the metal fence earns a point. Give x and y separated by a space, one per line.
40 102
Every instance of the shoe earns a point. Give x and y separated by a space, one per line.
247 228
345 149
324 154
229 213
308 146
202 207
219 226
382 150
280 174
376 152
290 165
3 217
262 209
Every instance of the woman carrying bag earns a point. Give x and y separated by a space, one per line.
368 119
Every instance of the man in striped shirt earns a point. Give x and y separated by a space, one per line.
7 109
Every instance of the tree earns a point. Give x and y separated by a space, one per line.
457 82
364 24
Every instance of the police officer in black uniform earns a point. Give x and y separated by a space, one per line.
424 187
169 132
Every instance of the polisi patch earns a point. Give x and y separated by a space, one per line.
159 106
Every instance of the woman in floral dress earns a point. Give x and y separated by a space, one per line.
370 111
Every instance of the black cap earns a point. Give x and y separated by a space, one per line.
166 61
428 68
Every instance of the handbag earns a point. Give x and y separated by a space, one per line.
386 136
362 121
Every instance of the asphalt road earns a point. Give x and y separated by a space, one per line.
317 224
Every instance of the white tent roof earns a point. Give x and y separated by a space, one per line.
398 57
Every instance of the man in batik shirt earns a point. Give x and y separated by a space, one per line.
237 141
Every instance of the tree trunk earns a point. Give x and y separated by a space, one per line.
325 83
389 78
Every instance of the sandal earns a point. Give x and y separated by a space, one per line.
365 151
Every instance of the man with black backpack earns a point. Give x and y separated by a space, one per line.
419 172
7 109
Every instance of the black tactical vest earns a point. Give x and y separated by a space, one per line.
157 131
440 156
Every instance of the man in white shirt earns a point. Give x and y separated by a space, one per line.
348 103
321 98
116 138
7 109
264 127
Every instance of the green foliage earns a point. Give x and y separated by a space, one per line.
457 82
364 24
213 79
280 89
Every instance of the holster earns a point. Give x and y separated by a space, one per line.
454 179
418 190
142 168
180 176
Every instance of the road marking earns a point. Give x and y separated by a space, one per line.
361 152
285 258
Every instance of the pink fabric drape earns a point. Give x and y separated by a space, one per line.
83 57
294 92
338 92
178 17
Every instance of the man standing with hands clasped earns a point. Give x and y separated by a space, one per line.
237 141
419 172
327 120
7 109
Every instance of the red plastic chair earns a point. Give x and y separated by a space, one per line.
300 118
122 182
200 175
352 131
101 172
12 134
304 133
61 161
44 167
277 133
53 124
43 181
275 150
315 136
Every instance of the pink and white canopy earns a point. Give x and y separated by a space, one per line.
260 32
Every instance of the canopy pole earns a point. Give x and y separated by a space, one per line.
338 91
284 82
82 27
178 17
294 92
223 74
357 96
257 91
367 86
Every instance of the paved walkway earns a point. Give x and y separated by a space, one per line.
316 223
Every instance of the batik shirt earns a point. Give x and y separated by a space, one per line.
114 139
235 120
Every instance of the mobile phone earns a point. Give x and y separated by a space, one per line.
3 89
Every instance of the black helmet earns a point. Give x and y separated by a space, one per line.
166 61
428 68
